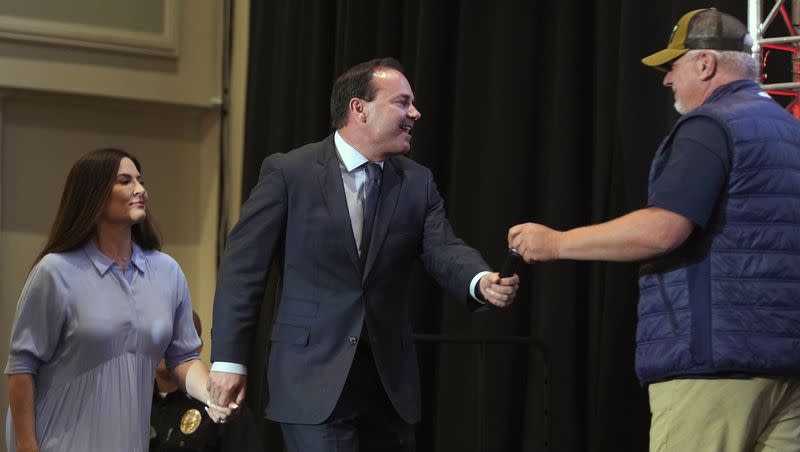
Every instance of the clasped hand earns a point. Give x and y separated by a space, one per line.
220 414
226 394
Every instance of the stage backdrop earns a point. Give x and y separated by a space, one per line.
531 111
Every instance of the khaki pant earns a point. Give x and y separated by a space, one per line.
725 415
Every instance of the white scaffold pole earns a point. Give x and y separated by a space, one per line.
755 30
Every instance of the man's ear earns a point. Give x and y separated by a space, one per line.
706 65
358 108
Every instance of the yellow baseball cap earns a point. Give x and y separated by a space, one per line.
702 29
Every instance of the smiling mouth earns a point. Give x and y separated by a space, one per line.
406 128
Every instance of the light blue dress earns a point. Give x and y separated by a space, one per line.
92 336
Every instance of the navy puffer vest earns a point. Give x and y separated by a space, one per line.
727 302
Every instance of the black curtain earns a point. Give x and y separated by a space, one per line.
531 111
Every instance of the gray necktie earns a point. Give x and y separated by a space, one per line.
374 174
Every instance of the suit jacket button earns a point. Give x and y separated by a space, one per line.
353 340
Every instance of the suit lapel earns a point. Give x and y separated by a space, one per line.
391 186
329 176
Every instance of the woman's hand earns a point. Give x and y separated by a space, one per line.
218 414
192 377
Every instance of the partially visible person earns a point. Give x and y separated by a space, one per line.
718 341
100 307
178 423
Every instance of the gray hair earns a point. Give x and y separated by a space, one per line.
740 64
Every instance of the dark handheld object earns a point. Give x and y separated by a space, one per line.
512 264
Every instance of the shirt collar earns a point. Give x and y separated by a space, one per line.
103 262
348 155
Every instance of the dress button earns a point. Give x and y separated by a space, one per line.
353 340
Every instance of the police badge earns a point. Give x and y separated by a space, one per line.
190 421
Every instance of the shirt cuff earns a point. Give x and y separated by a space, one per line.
234 368
473 287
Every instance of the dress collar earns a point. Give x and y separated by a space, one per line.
103 262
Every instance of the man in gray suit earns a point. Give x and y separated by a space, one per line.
345 217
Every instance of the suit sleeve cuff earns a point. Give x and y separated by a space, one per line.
234 368
474 291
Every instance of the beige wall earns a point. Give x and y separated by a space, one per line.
56 103
191 79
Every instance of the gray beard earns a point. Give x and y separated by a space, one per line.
679 107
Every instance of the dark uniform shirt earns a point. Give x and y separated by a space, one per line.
180 423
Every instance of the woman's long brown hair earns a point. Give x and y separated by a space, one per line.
83 201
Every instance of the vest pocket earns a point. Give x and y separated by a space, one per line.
698 278
673 320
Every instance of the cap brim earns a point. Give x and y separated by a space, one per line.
659 59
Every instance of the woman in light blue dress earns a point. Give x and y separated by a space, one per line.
99 310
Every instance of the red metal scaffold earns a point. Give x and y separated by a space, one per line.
790 43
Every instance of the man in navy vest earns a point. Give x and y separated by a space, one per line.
718 340
345 217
